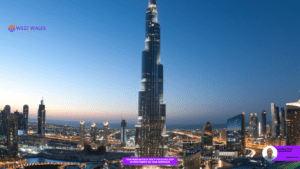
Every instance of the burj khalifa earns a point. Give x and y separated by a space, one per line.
150 137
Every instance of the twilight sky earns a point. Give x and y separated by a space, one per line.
221 58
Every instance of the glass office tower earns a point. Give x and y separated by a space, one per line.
123 133
275 121
25 112
93 133
293 123
41 119
82 133
235 134
12 134
151 137
263 122
207 137
105 134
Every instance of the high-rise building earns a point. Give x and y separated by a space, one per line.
292 123
25 112
275 121
82 133
12 134
41 119
151 137
5 115
282 122
21 122
1 123
263 122
93 132
207 137
255 126
235 134
123 133
251 118
105 130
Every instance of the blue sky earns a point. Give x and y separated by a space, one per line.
220 58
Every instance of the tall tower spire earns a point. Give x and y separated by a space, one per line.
151 109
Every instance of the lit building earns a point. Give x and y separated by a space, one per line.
41 119
251 118
82 133
123 133
151 109
5 115
105 130
207 137
235 135
21 122
263 122
259 128
255 126
282 122
25 112
93 133
12 134
275 121
1 123
292 123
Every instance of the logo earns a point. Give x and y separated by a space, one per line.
12 28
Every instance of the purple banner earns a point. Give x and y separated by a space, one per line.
149 160
287 153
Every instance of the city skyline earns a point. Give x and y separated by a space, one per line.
217 64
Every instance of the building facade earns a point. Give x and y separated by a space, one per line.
151 137
207 137
123 133
292 123
21 123
282 123
275 121
25 112
251 125
12 134
93 133
41 119
105 135
235 134
82 134
255 126
263 122
5 115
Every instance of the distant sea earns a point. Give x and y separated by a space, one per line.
129 125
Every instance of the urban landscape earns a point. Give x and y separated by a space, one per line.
233 138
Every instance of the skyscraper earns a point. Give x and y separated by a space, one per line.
105 130
82 132
292 123
255 126
123 133
282 122
41 119
93 133
5 115
263 122
207 137
251 125
12 134
235 134
151 138
1 123
21 122
275 121
25 112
